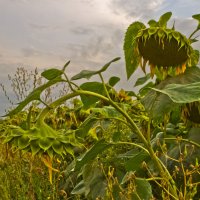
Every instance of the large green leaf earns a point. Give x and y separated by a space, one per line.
132 57
92 153
89 73
158 104
180 93
92 87
164 19
50 74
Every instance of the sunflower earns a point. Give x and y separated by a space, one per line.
163 49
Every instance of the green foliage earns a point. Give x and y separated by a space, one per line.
108 144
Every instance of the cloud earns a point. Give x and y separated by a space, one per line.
30 52
38 26
136 9
105 42
81 30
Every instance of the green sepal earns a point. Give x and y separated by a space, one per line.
164 19
57 147
34 147
45 143
23 141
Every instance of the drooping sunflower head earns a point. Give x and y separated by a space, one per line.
164 49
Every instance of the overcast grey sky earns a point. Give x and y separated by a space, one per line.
47 33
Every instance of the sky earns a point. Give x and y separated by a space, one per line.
89 33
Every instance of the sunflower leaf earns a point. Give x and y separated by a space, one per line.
132 56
